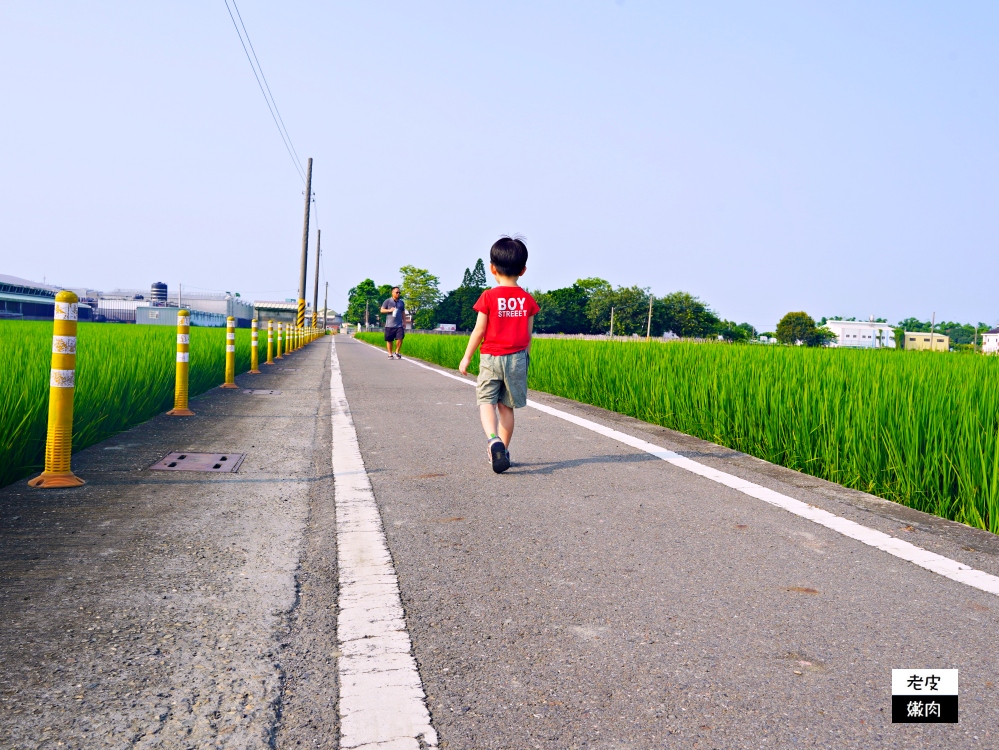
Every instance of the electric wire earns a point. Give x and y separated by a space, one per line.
272 107
284 139
298 159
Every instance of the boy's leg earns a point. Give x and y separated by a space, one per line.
505 423
487 414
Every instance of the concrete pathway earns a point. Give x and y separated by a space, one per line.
179 610
594 596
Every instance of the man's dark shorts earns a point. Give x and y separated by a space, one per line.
395 333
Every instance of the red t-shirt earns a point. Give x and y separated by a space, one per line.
508 308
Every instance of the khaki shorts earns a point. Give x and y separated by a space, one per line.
503 379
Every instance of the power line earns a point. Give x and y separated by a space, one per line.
278 123
298 159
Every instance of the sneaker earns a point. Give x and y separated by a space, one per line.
498 456
398 356
391 357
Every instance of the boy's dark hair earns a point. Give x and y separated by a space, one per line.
509 255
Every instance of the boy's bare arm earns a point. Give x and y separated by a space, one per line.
478 333
530 333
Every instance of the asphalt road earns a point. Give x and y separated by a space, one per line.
594 596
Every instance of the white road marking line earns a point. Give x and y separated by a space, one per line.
944 566
382 703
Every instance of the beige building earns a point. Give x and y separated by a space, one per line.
920 341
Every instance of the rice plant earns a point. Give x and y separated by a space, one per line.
124 376
918 428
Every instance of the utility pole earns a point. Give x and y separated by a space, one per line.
326 296
933 324
648 326
300 317
366 326
315 289
612 323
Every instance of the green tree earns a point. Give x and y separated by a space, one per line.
914 324
425 320
562 311
384 292
420 289
795 327
799 327
456 307
736 332
626 301
593 285
478 275
685 315
364 293
631 307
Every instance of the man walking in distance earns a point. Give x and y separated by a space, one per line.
395 322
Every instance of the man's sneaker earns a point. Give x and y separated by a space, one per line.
498 456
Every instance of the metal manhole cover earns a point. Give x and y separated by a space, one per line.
218 463
259 392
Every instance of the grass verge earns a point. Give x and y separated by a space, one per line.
124 376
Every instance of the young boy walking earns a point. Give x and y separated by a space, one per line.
503 328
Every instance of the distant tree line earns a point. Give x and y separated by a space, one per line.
583 308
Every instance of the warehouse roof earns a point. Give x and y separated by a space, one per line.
12 285
277 305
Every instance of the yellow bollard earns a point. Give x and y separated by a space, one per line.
62 384
230 353
183 356
270 343
254 349
279 340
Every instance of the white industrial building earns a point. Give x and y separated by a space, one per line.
862 334
990 342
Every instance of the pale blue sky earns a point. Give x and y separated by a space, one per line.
839 158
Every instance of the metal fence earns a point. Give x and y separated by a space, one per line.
117 310
123 311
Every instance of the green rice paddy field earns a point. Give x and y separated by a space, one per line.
918 428
124 376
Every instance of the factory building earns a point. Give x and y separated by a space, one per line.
21 299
